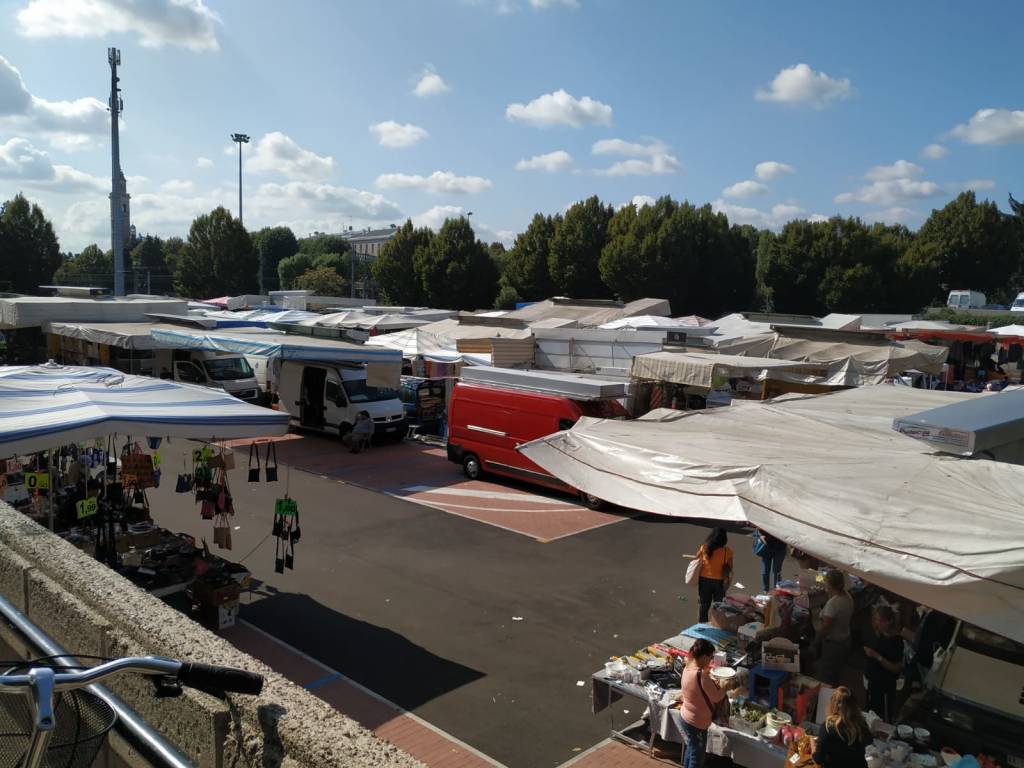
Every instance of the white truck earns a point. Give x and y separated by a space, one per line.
219 370
328 396
976 701
966 299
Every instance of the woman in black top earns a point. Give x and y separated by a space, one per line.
885 659
845 734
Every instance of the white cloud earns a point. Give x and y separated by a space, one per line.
177 185
278 153
770 170
392 134
773 219
816 218
186 23
552 162
436 216
650 158
901 169
891 192
22 162
560 108
992 126
744 189
68 125
641 200
800 84
896 215
934 152
543 5
972 184
430 84
204 162
438 183
342 201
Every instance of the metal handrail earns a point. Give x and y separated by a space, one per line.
136 731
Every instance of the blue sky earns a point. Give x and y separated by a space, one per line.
769 111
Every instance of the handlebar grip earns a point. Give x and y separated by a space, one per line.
213 679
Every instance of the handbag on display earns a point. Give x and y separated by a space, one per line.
254 457
207 511
271 471
222 531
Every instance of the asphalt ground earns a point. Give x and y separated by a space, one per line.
482 632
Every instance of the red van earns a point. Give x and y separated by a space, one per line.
486 423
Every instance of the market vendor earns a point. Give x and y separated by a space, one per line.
833 630
885 660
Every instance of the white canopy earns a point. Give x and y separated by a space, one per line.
828 475
437 349
32 311
652 321
50 405
276 345
699 369
1008 330
856 364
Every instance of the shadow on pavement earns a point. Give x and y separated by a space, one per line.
384 661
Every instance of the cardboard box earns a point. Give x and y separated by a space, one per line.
749 631
781 654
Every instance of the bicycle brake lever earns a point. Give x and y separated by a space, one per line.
167 687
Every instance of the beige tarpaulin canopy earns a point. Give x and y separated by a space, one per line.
828 475
853 364
699 369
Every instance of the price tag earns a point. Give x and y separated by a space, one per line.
156 459
87 508
37 481
286 507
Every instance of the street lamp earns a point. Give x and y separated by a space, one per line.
240 139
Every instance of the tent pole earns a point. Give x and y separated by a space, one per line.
50 483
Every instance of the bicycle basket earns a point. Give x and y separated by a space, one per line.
82 723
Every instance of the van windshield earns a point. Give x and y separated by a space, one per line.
228 368
359 391
990 644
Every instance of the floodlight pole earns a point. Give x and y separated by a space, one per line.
240 139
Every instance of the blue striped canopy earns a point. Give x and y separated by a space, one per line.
45 406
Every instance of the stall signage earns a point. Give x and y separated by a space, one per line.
202 454
156 459
37 481
87 508
286 507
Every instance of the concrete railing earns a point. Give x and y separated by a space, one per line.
89 609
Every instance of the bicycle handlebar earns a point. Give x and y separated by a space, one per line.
203 677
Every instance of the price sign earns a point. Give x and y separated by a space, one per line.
87 508
37 481
286 508
156 459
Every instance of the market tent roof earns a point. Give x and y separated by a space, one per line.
699 369
1008 330
828 475
437 349
277 345
969 427
651 321
589 314
50 405
123 335
33 311
856 364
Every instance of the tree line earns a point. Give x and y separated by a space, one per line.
690 255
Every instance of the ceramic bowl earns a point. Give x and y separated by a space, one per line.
768 733
922 735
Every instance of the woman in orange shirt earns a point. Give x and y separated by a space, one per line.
715 571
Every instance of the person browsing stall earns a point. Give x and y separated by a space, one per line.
885 659
698 698
833 638
845 734
772 552
715 572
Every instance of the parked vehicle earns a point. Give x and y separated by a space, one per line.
966 299
1018 303
218 370
977 699
486 423
328 396
424 402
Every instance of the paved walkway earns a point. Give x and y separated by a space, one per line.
421 473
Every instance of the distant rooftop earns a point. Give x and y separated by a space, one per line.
373 234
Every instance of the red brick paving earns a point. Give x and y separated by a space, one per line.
422 474
614 754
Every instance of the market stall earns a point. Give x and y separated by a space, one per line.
71 463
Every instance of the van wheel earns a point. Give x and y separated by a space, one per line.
471 466
590 501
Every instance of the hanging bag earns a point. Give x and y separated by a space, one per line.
760 545
254 459
271 471
694 568
207 511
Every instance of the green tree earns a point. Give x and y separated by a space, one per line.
323 281
507 298
173 248
218 260
456 270
29 252
394 269
576 249
526 263
273 244
290 267
92 267
148 264
965 244
321 242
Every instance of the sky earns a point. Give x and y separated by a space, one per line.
363 114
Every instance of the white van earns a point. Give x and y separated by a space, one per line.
966 300
328 397
977 700
219 370
1018 303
